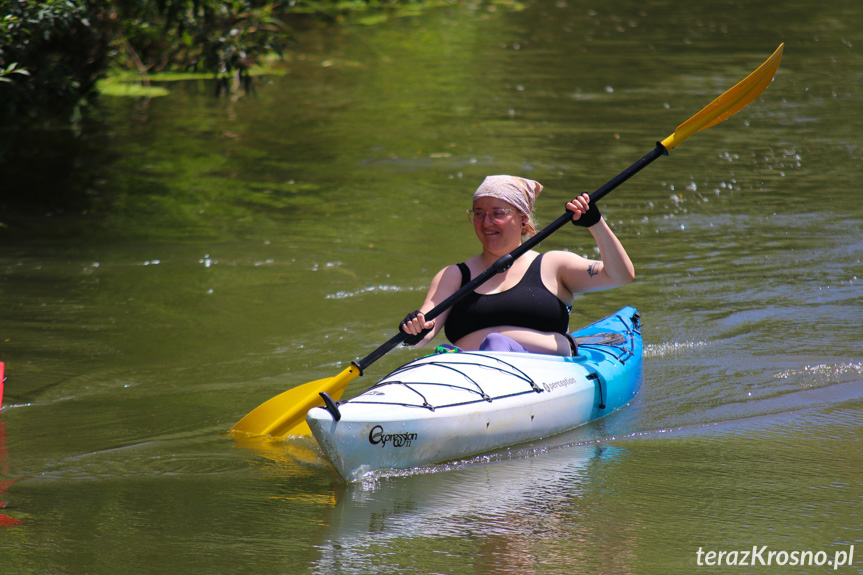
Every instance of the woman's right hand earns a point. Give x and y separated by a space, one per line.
416 326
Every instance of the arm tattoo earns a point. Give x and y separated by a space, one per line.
591 269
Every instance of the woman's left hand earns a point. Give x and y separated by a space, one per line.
584 213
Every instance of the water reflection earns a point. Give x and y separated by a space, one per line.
509 511
5 520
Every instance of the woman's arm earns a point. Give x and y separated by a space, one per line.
613 269
445 283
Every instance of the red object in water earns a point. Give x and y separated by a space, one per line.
2 368
6 520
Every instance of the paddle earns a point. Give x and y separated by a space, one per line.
285 414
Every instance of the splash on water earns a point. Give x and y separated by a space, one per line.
672 348
370 289
823 372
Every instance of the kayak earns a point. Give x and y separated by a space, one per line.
448 406
455 404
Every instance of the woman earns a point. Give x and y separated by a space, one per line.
525 308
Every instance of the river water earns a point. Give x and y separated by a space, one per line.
178 261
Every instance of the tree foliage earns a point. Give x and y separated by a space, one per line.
58 49
220 36
52 52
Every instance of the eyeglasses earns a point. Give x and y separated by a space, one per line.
497 215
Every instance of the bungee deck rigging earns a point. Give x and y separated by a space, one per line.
612 344
605 342
500 366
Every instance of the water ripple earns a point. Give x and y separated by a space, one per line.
371 289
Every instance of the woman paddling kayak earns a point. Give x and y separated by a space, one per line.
534 297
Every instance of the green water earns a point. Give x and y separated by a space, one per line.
181 260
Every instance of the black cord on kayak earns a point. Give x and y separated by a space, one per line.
598 381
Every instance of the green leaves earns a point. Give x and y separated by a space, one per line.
216 36
12 69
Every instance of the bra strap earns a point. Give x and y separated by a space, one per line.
465 273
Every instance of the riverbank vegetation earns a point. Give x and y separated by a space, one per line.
53 52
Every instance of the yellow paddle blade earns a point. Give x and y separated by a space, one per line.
285 414
728 103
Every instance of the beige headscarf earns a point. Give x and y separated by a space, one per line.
519 192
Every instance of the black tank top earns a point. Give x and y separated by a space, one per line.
527 304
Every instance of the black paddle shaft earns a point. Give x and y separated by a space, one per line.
506 261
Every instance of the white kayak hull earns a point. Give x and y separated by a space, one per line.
453 405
